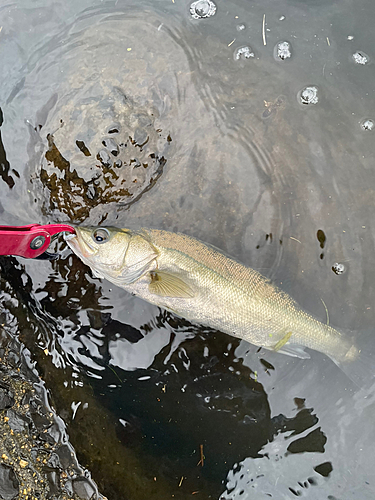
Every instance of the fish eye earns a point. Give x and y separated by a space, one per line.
100 235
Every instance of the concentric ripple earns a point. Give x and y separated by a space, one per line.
101 135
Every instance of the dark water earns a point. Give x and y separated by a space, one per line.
137 114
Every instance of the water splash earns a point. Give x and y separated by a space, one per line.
338 268
202 9
360 57
243 53
309 95
367 124
283 51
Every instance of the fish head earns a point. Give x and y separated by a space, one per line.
119 255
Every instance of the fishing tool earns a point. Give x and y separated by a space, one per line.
31 241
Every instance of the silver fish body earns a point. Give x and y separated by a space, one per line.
198 282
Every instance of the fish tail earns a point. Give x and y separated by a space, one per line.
358 363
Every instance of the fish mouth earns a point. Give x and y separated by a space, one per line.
79 245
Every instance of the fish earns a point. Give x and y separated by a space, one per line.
198 282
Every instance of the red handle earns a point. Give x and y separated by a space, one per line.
29 241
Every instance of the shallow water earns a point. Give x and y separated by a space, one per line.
233 150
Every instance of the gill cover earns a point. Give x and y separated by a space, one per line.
138 258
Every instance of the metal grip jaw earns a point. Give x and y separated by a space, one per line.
29 241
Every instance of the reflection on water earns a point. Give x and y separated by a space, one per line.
250 129
193 372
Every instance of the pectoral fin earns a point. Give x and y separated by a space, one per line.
168 285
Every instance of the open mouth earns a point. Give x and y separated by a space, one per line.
79 246
69 236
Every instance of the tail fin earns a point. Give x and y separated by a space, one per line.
359 362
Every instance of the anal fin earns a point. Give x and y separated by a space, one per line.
296 351
282 341
283 346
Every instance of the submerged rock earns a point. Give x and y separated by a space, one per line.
98 151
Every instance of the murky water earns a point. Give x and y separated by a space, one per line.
247 126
